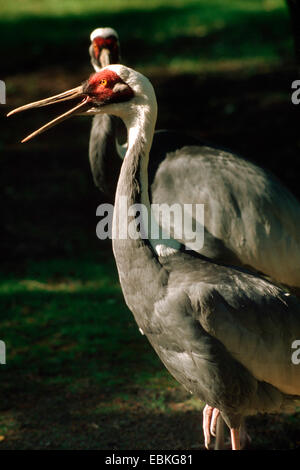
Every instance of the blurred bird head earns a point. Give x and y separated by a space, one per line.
104 48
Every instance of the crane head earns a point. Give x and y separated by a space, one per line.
103 92
104 48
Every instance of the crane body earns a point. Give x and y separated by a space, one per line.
224 333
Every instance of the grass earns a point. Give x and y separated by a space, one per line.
72 315
59 8
70 338
188 34
79 375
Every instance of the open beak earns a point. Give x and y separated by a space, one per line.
80 108
105 58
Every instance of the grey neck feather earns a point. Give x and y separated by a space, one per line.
104 158
136 260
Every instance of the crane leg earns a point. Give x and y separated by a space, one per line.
213 425
235 439
245 439
210 418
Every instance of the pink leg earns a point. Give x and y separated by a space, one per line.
235 439
214 420
210 417
207 414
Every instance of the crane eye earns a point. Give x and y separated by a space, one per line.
103 82
96 51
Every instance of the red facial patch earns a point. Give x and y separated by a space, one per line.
100 86
110 43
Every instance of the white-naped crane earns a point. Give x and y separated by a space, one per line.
263 214
108 136
107 147
251 219
105 47
223 332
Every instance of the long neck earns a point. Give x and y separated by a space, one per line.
140 273
104 158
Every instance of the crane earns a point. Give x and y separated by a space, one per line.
107 147
210 323
108 133
251 215
251 219
104 48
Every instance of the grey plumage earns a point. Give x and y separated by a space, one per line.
225 333
222 332
104 159
251 219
